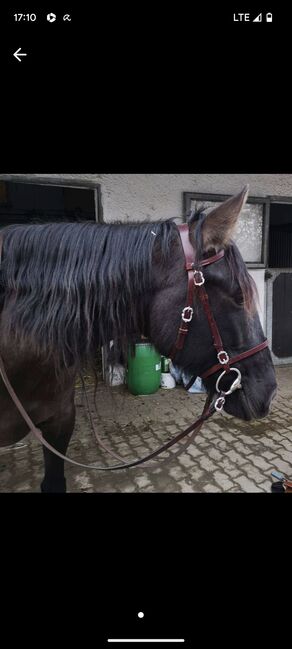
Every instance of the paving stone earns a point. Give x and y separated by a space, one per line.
233 473
287 456
214 454
223 480
185 487
284 467
195 473
260 462
254 473
186 461
267 484
210 488
207 464
236 457
242 448
227 437
228 455
247 485
268 455
248 440
194 451
177 472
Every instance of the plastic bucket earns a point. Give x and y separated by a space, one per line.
144 369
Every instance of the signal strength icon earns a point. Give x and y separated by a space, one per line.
258 19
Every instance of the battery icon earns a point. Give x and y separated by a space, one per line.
269 18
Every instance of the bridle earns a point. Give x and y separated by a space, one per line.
196 281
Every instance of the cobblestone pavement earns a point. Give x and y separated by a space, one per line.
229 455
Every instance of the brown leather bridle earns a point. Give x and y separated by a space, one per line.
196 282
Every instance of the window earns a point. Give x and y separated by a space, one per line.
26 202
251 232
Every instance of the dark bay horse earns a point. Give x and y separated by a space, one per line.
66 289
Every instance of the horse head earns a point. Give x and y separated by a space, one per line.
232 298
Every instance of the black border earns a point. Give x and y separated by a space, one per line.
201 563
217 101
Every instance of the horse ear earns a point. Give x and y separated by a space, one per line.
218 225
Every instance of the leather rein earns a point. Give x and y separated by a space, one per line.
196 283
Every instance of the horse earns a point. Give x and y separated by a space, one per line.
66 289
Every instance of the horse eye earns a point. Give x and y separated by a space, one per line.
210 253
238 296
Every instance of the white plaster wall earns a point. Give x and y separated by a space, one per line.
159 196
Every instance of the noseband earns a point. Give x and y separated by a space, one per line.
196 281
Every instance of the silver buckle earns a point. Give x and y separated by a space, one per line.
219 404
236 385
187 318
201 280
224 360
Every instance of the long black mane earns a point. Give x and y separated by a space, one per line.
68 288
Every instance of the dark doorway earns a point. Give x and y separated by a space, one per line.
34 203
282 315
280 239
279 276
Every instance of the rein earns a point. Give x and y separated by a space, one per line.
196 282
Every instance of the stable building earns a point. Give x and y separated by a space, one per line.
264 232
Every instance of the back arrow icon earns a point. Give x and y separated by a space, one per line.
18 53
